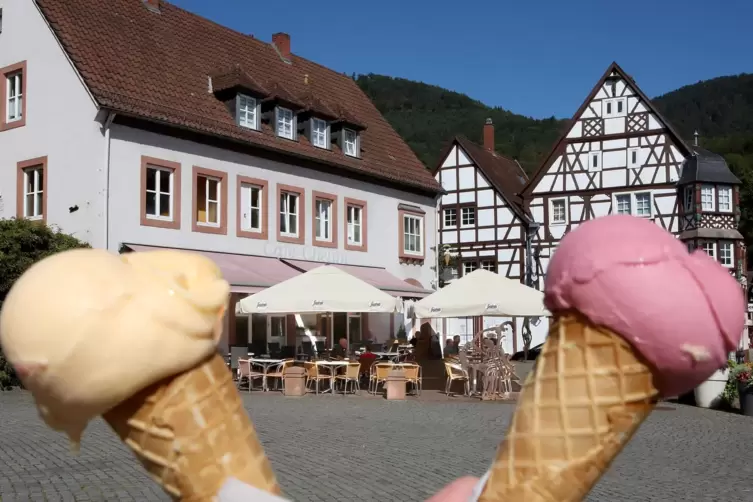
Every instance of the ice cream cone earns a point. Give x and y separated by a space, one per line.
191 434
586 397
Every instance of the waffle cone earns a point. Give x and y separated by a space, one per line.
191 433
584 400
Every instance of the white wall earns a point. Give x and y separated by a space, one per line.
128 145
60 124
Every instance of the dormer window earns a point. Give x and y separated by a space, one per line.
350 142
319 133
285 123
248 115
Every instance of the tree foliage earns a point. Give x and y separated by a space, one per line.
23 243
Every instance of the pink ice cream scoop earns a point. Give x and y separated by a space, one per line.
683 312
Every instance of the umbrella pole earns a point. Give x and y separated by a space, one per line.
332 330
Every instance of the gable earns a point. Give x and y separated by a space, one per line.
615 116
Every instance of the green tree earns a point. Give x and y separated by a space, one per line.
23 243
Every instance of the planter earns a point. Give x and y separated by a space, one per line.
746 399
709 393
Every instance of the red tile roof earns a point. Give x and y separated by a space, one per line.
156 66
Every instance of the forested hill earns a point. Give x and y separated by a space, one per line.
427 116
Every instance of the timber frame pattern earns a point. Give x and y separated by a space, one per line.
618 154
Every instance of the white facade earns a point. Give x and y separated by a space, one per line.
92 175
617 157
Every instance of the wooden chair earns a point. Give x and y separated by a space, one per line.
379 372
351 376
314 375
278 372
244 370
456 373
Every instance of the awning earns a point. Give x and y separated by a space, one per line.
376 276
245 273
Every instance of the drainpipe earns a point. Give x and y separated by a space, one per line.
106 126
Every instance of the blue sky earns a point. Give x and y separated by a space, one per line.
538 58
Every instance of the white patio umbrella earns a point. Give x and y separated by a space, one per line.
482 293
322 289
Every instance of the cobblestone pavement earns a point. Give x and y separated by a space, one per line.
335 448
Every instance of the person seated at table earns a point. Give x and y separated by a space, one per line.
368 355
340 351
450 349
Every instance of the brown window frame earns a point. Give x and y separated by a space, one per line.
21 167
332 198
263 234
203 228
4 74
364 246
301 193
175 196
402 213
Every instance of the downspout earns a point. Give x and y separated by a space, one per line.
106 126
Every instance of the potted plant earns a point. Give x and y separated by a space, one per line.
742 376
709 393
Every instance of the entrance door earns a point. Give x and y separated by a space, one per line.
258 342
276 332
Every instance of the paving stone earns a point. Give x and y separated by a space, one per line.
335 448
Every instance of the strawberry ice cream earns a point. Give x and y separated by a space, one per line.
682 312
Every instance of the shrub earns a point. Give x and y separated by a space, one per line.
23 243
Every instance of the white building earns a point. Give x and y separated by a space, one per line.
135 124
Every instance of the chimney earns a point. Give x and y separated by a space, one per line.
152 5
281 41
489 135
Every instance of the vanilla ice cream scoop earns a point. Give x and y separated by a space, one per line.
86 329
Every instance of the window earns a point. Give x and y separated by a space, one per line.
558 212
324 218
413 235
252 207
247 112
285 123
636 204
624 204
450 217
289 214
615 107
319 133
489 265
13 94
643 205
208 200
355 225
469 266
350 142
725 199
594 161
160 193
726 254
468 216
689 198
14 97
709 248
707 198
633 157
32 181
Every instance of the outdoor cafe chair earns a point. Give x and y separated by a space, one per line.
278 372
379 372
413 376
245 371
313 374
350 376
456 373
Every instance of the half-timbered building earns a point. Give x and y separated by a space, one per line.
619 155
481 217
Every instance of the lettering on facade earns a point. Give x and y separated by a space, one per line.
305 253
